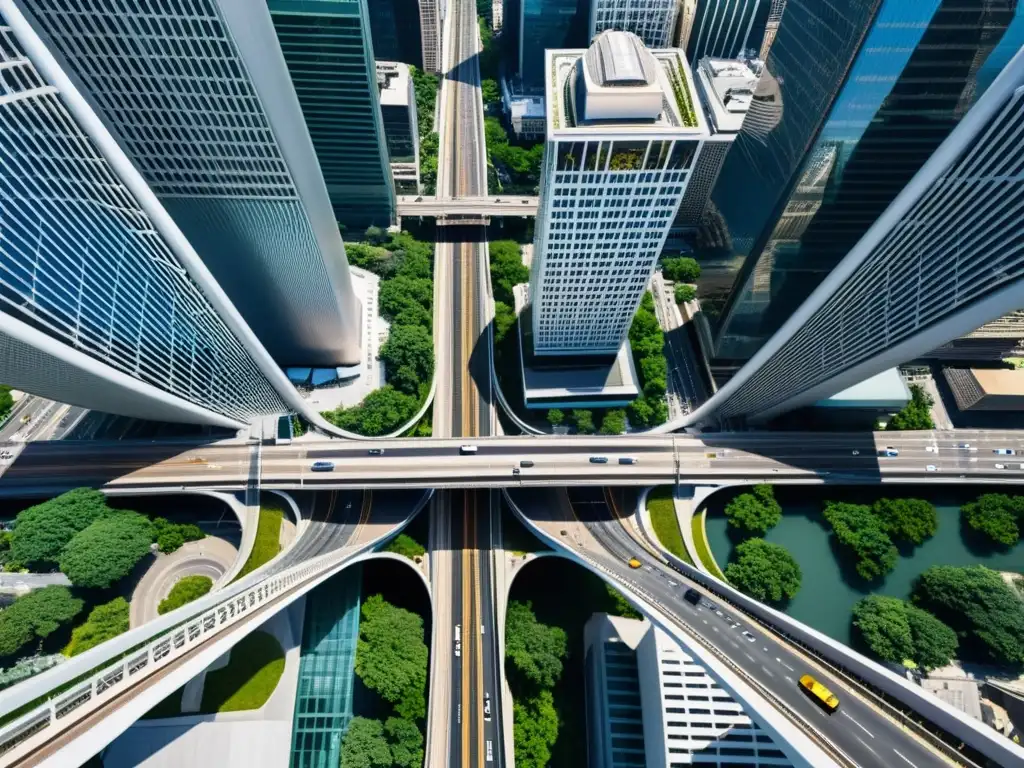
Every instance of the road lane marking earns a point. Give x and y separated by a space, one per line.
734 644
704 620
766 671
714 629
869 733
784 664
866 746
902 756
748 655
789 679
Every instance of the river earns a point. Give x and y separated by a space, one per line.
830 586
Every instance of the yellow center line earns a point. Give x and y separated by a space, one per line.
466 633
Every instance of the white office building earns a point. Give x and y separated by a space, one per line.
401 126
653 21
649 703
623 136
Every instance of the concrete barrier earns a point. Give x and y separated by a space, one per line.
970 731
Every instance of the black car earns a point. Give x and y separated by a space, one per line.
376 451
598 459
526 463
487 707
322 466
691 596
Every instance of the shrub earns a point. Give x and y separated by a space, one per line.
105 622
685 293
406 546
36 616
682 269
185 591
897 631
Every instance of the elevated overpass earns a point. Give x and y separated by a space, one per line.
464 210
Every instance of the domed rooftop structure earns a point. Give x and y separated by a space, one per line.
617 81
620 59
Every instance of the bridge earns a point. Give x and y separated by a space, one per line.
466 209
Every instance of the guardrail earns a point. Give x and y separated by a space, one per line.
63 696
873 681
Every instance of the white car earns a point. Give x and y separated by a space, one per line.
932 448
1000 466
1004 452
750 637
932 468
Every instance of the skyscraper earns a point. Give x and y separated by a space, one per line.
945 257
395 29
431 18
653 21
199 97
331 62
545 24
857 104
401 127
726 28
623 133
103 303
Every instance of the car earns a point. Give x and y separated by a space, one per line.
487 707
966 446
1004 452
376 451
1000 466
633 562
322 466
526 463
458 640
467 450
932 448
890 451
598 459
931 468
692 596
515 470
197 460
855 453
627 460
750 637
710 605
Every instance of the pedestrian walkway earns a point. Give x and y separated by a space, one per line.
323 702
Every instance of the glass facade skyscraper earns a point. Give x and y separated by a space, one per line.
330 58
724 28
395 31
545 24
198 95
858 103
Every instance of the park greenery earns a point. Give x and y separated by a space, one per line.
268 536
857 528
391 660
620 606
33 617
41 532
754 513
521 164
171 536
908 520
996 516
985 612
648 342
184 591
107 550
6 402
405 266
490 92
661 508
248 679
680 269
490 53
685 293
407 546
534 653
105 621
898 631
765 571
425 88
507 270
916 414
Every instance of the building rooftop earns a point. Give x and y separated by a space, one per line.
886 389
393 83
727 87
999 381
620 87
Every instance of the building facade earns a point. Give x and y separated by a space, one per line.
546 24
199 97
330 60
623 135
431 24
726 29
401 127
946 257
395 31
103 303
687 14
837 129
653 21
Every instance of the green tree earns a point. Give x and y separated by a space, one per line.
382 411
996 515
898 631
408 357
912 520
535 730
170 536
982 609
583 420
391 656
402 292
654 375
405 742
490 92
647 412
504 319
42 531
36 616
105 621
682 269
916 414
107 550
364 745
764 571
620 606
856 527
184 591
555 417
685 293
6 402
614 422
507 270
756 512
407 546
535 650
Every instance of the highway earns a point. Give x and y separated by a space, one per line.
857 729
709 459
438 207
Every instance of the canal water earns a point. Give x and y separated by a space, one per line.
830 585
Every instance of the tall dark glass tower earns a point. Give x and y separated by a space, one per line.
395 30
852 104
723 28
547 24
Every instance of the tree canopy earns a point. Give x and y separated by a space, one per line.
382 411
364 745
614 422
391 656
984 611
408 357
535 650
184 591
995 515
648 344
170 536
583 420
35 616
857 528
6 402
535 729
507 269
407 546
916 414
756 512
897 631
765 571
504 319
555 417
41 532
682 269
105 622
107 550
490 92
911 520
685 293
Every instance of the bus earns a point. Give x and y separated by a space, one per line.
822 696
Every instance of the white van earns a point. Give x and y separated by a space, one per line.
467 450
